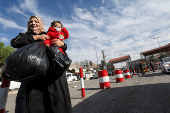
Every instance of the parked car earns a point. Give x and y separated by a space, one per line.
95 75
109 73
165 65
71 77
87 75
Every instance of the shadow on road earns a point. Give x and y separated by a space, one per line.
89 89
113 82
152 98
76 98
154 74
6 111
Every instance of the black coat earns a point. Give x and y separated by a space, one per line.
45 95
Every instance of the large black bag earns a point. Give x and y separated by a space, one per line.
26 63
59 62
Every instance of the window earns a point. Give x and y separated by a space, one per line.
166 59
68 75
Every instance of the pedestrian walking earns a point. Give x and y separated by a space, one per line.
136 68
131 68
141 68
150 63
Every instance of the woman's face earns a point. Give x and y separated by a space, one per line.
34 24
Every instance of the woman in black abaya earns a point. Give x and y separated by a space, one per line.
49 94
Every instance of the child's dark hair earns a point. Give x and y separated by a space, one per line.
52 23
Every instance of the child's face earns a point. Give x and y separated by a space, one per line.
57 25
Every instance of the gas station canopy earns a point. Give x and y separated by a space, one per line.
156 50
120 59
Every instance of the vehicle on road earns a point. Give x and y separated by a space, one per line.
109 73
165 65
87 75
145 67
95 75
71 77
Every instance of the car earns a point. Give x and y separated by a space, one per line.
165 65
109 73
95 75
71 77
87 75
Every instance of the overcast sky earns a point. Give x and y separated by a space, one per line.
122 27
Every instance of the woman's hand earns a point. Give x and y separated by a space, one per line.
47 45
41 37
58 42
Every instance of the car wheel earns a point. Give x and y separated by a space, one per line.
164 70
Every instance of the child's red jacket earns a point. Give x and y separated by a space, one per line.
54 34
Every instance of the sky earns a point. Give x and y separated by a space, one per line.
122 27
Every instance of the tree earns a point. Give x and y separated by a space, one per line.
160 56
152 58
111 67
73 70
77 64
91 63
103 63
87 66
4 53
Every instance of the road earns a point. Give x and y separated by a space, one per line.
147 93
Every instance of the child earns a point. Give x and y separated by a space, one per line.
56 31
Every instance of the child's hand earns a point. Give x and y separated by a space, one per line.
47 45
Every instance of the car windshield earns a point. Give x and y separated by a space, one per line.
166 59
68 75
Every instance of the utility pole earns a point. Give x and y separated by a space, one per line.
96 54
104 56
104 61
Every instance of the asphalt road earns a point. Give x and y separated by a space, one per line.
144 94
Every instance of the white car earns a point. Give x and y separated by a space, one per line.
165 65
95 75
87 75
71 77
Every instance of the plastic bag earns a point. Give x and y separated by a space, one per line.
58 61
26 63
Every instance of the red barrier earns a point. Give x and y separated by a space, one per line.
82 82
103 79
4 94
118 75
126 73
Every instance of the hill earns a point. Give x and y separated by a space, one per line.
78 65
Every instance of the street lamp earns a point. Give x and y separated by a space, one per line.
159 44
96 54
157 40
